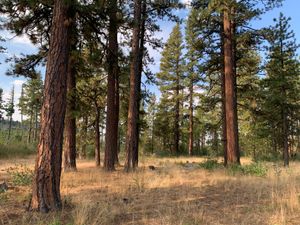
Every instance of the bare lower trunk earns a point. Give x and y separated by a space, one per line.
97 138
232 148
191 119
30 129
70 120
176 121
117 106
286 157
111 137
224 138
9 127
135 157
36 130
131 135
46 182
85 132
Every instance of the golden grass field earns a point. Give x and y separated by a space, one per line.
172 194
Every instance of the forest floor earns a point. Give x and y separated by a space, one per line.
176 192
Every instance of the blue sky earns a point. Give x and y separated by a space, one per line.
18 45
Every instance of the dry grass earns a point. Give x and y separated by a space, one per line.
170 194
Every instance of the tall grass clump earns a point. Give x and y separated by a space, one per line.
253 169
210 164
17 149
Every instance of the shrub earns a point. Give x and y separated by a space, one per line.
254 169
21 175
210 164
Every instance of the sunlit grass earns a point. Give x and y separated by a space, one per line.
172 193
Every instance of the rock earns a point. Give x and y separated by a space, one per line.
3 187
125 200
151 167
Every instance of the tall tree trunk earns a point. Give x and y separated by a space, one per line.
117 106
35 124
285 126
285 139
70 120
135 156
191 118
85 131
224 138
232 148
30 128
9 127
22 116
203 140
131 134
111 137
176 122
97 137
46 182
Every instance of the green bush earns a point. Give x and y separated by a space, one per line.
254 169
21 175
210 164
17 149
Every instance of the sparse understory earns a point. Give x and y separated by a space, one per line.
174 191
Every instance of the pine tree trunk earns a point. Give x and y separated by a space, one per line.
131 134
111 137
85 132
176 121
70 120
203 140
117 106
224 138
135 157
285 139
9 127
46 182
36 128
97 137
30 128
191 119
232 148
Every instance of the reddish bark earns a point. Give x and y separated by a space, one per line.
232 148
132 126
111 137
97 137
70 121
46 182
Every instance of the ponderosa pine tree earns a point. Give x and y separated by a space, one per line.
281 85
112 119
30 104
46 182
131 134
171 77
69 147
249 91
228 20
193 70
91 92
229 29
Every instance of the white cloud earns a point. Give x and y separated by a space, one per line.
18 83
11 37
23 39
